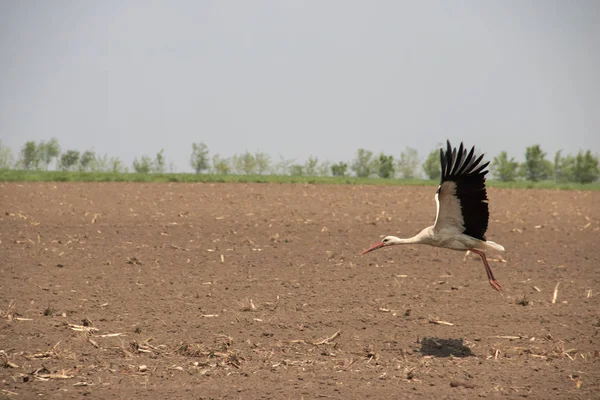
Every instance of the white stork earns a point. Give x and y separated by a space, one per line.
462 210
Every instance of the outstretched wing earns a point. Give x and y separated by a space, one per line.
462 204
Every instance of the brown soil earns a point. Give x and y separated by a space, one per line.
257 291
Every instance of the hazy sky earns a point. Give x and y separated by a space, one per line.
299 78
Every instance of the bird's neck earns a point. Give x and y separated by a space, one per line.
396 240
422 237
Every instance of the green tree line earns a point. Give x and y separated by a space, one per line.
582 167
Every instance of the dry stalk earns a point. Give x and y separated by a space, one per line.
247 305
9 313
82 328
438 322
47 377
5 363
577 380
555 295
110 335
192 350
273 305
560 349
328 339
125 353
146 347
45 354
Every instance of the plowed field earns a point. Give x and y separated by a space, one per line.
257 291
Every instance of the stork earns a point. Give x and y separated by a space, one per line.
462 210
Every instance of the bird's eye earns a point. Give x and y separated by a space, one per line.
385 240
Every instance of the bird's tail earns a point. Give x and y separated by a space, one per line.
493 245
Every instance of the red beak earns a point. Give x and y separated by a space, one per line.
376 246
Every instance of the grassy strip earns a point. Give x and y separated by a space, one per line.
67 176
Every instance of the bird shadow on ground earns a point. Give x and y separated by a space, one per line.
432 346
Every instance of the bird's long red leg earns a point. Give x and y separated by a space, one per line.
488 270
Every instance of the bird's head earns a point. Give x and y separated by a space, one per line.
386 241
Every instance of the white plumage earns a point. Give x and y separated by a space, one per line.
462 209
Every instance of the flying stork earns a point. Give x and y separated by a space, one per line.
462 210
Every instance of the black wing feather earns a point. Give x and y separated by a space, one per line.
442 162
457 163
480 170
471 161
464 170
